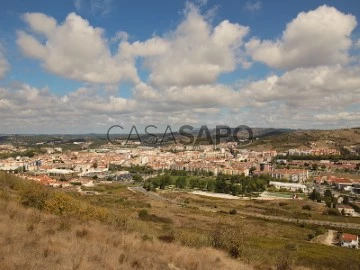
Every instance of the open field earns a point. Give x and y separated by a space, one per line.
153 224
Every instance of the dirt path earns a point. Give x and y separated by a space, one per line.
325 239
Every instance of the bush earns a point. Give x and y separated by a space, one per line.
332 212
167 238
168 234
320 230
306 207
233 212
60 204
283 203
82 233
143 214
311 236
33 195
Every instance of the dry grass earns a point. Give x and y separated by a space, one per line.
106 232
33 240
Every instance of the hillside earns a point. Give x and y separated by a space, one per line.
336 138
34 239
121 228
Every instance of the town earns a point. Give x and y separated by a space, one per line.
298 174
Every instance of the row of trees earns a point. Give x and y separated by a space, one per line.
229 184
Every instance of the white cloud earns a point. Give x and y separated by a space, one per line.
352 116
196 52
308 89
120 36
75 50
318 37
183 68
189 97
253 6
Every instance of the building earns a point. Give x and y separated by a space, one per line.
349 240
289 186
294 175
346 210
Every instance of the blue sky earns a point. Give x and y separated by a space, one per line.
81 66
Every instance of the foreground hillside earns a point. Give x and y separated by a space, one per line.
33 239
121 228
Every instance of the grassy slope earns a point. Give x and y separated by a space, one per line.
33 239
105 231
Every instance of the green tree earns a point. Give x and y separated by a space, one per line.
315 196
328 201
328 193
180 182
165 180
137 178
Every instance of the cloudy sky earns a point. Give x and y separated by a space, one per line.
84 65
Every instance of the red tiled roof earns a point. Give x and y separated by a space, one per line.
349 237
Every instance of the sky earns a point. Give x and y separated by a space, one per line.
81 66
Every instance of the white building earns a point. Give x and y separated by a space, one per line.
289 186
346 210
349 240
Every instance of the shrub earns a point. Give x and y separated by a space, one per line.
167 238
233 212
285 259
60 204
33 195
283 203
332 212
306 207
82 233
311 236
320 230
143 214
168 234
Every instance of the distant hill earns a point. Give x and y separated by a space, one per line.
282 140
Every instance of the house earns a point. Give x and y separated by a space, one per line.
346 210
349 240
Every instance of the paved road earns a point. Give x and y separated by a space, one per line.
156 196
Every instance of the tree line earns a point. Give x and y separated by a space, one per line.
223 183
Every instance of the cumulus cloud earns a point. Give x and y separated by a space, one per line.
196 52
205 96
317 37
74 49
182 68
323 87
